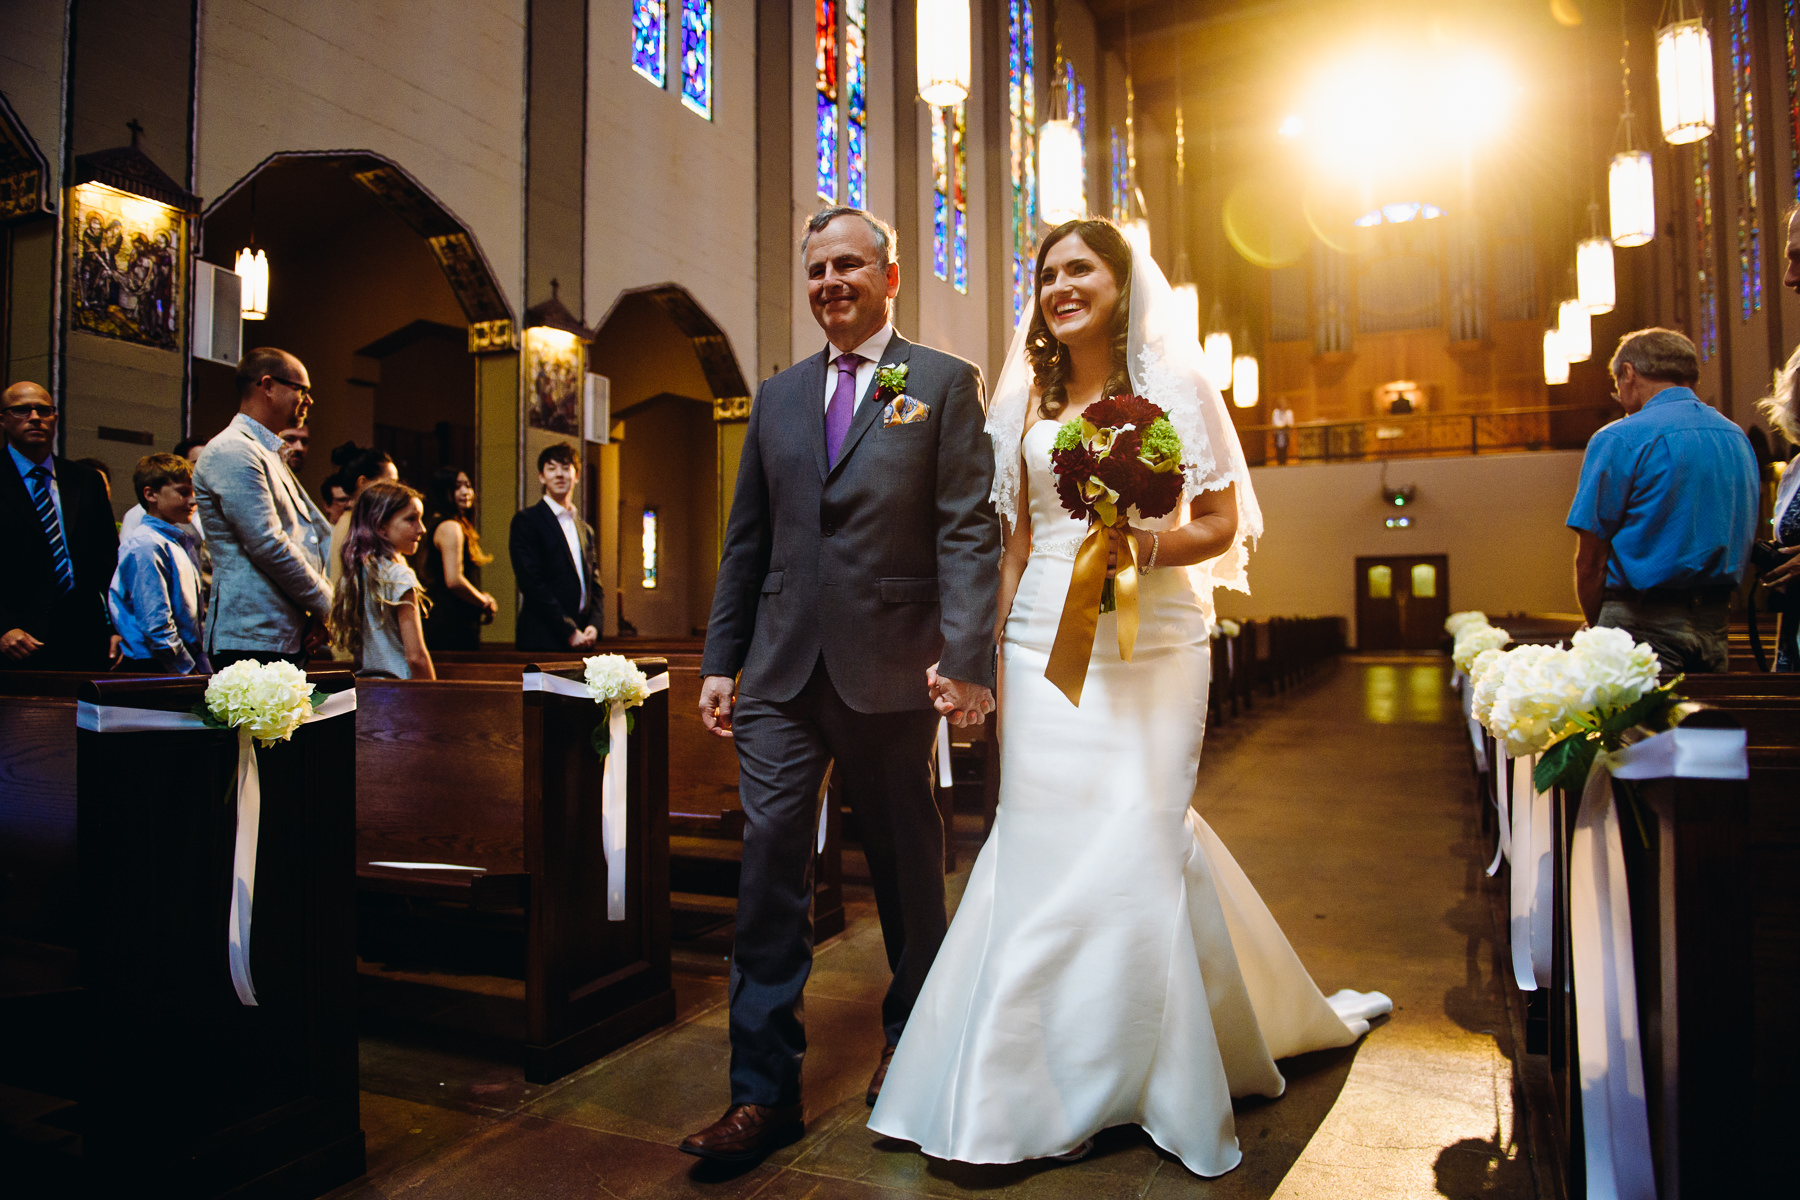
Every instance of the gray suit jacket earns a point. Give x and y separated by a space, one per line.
883 564
268 542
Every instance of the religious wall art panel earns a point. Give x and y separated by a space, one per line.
553 369
128 278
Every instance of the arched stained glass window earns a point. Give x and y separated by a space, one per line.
825 73
1021 103
1743 145
851 106
950 198
856 114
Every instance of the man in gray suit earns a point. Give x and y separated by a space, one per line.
855 601
270 596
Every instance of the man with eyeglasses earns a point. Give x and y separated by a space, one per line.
57 545
1665 511
270 593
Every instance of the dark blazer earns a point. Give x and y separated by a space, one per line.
75 629
547 580
884 563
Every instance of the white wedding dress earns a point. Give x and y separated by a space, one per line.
1110 964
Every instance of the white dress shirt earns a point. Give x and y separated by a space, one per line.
565 517
871 352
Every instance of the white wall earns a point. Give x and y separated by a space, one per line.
437 89
671 196
31 70
1498 517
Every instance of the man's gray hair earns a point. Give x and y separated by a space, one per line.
886 240
1659 354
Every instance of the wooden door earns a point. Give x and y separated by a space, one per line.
1401 601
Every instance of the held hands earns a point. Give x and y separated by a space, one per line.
964 703
715 704
582 639
316 636
1788 570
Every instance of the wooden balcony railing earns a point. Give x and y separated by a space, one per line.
1430 435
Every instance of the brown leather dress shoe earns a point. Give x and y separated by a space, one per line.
747 1133
887 1056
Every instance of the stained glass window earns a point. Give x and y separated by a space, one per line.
940 195
1021 103
856 116
1076 92
648 542
696 56
1707 251
959 196
1792 25
1743 144
649 32
1121 179
825 69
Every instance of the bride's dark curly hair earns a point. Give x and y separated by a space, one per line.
1048 357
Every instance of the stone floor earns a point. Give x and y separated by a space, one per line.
1347 802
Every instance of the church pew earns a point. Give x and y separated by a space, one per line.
706 822
503 787
260 1097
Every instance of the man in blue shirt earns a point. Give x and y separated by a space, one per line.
1666 508
155 598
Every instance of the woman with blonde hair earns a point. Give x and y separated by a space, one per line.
1782 409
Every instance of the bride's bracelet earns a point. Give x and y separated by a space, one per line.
1155 545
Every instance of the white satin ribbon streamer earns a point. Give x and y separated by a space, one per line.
109 718
1503 814
1531 880
1614 1117
614 778
943 752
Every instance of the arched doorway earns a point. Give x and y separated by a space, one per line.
380 291
661 490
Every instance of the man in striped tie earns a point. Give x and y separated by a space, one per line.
58 545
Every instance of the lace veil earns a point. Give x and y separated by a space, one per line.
1165 367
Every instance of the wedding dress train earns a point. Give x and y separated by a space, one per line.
1110 963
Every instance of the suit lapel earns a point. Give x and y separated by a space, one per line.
18 497
70 496
898 351
812 384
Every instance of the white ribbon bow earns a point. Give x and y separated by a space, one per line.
1615 1120
109 718
613 778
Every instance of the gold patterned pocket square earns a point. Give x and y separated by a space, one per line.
904 410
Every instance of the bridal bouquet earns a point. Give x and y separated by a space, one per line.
270 700
1120 456
613 679
1569 705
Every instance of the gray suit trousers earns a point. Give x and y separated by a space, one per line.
884 768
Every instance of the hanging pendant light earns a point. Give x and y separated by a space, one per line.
1187 310
1631 184
1061 194
1631 180
943 52
1684 78
1137 232
1594 284
1246 381
253 268
1217 355
1574 328
1556 363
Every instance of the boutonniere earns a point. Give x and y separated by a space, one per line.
891 379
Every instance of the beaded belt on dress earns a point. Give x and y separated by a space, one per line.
1060 547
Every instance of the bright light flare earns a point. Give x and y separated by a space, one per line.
1575 330
1217 359
253 267
1291 126
1556 363
1594 275
1062 194
1137 232
1387 110
1246 381
1186 319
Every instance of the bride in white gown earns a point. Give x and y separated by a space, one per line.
1110 964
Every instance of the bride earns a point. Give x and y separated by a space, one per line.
1110 964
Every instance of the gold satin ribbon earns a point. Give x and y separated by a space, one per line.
1074 644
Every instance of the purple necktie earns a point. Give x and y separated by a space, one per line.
843 403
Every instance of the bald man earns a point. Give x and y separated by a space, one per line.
58 545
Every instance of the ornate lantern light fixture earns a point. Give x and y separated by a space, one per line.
1556 363
1246 381
1630 181
1684 78
943 51
1575 329
252 267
